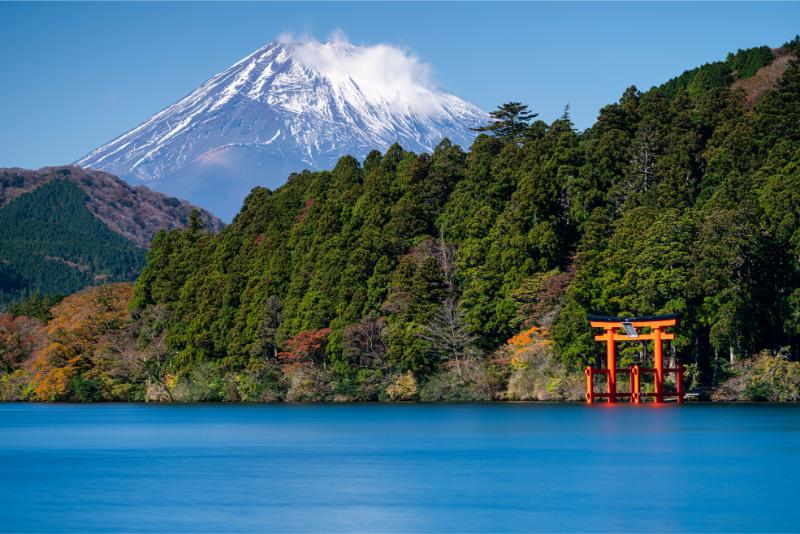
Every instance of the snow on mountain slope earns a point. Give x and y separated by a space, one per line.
284 108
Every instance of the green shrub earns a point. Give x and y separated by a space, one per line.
260 382
86 390
764 377
204 383
467 381
16 386
307 384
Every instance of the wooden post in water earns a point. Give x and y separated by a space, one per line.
658 364
611 363
635 385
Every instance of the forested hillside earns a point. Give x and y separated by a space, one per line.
469 274
63 228
135 213
51 244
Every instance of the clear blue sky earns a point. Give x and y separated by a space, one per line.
76 75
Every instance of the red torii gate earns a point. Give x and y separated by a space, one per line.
629 325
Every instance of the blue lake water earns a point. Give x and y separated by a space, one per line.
399 468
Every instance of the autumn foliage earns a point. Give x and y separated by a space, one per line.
19 337
83 351
305 349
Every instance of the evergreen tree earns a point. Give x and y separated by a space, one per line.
511 121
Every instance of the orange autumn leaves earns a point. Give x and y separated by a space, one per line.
83 334
534 371
522 343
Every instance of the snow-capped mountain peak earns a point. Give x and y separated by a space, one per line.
287 106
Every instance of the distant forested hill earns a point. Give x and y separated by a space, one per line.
468 275
64 228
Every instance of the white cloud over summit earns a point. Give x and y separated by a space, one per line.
383 72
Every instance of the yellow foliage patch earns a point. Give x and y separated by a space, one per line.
404 388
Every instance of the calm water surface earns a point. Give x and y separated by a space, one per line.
378 468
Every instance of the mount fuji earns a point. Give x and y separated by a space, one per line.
291 105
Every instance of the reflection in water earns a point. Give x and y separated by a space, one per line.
498 467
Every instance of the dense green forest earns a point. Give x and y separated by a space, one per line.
469 274
51 244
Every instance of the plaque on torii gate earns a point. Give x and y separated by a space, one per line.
619 329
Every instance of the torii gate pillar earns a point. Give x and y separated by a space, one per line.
658 363
611 365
